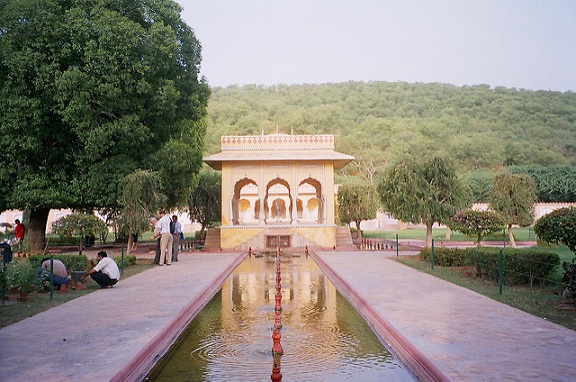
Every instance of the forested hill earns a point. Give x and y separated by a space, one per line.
478 127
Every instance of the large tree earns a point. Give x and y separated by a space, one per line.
91 92
356 202
427 191
513 196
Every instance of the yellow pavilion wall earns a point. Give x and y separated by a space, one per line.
241 238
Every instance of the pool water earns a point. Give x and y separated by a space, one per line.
323 337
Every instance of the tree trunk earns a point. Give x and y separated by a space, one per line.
511 236
448 233
129 245
36 235
429 234
358 231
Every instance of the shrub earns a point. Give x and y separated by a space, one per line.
520 266
21 275
444 256
128 260
72 262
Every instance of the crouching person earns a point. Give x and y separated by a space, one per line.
59 272
105 273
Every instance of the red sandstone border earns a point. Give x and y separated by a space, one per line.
418 363
144 361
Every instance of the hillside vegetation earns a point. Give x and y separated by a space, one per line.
478 127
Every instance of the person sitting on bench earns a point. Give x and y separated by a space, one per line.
105 273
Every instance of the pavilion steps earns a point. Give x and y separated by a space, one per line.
344 238
212 239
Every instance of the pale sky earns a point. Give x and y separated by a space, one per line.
523 44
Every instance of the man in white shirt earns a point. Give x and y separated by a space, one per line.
163 226
105 273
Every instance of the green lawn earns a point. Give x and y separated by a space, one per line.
543 301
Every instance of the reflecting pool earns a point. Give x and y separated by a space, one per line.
322 336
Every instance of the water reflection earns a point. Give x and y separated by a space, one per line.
323 337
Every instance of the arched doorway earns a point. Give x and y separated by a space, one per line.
278 201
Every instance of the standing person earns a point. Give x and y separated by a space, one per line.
154 223
105 273
59 272
165 239
134 241
19 231
176 237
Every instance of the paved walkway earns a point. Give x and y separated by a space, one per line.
466 336
92 338
452 333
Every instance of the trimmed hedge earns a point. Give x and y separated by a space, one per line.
72 262
520 265
445 256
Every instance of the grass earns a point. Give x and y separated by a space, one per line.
38 302
543 301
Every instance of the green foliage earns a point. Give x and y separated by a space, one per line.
356 202
128 260
479 127
89 93
480 183
21 274
71 262
475 223
445 256
558 227
513 196
141 199
520 266
569 278
553 183
204 205
425 191
79 225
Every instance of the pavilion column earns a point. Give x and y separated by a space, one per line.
234 210
262 212
294 213
321 209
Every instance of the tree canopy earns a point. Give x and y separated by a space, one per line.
205 204
477 127
477 223
91 92
356 202
514 196
426 191
558 227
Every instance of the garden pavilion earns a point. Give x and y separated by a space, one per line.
277 189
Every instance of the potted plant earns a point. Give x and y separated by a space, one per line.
22 275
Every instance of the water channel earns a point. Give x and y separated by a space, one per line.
323 338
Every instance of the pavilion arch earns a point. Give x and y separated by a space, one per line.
243 202
278 201
311 202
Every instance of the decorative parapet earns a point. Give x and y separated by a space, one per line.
277 142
